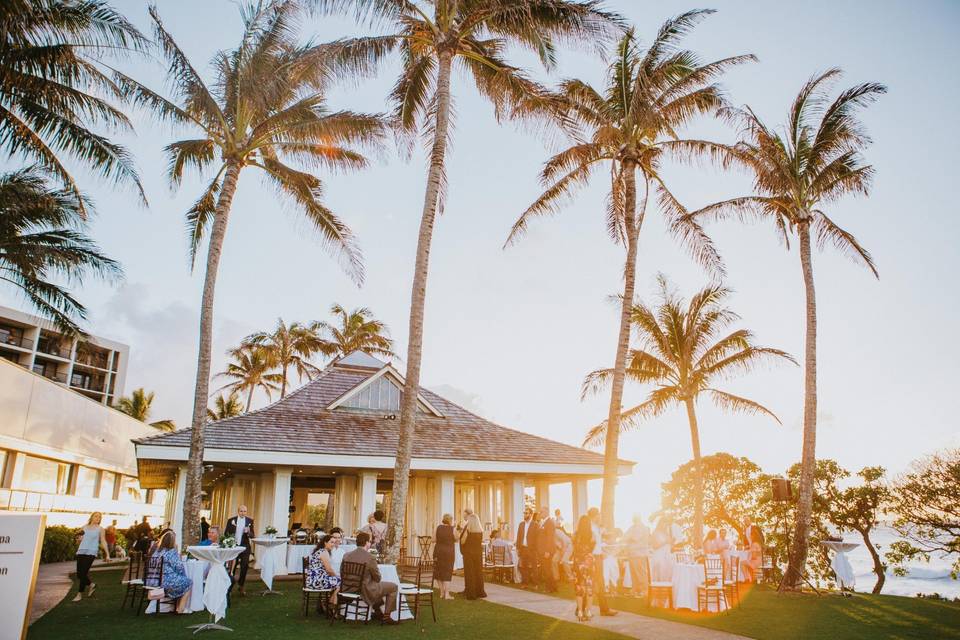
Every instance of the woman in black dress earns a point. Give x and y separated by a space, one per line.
443 553
471 546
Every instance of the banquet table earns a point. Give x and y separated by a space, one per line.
295 555
272 560
195 570
840 563
218 582
687 578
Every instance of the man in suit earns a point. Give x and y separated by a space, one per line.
546 548
599 584
241 528
381 596
527 548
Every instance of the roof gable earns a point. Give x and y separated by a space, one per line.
385 373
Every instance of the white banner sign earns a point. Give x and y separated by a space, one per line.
21 537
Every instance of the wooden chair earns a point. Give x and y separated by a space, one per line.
132 578
661 589
681 557
153 578
425 543
767 565
421 592
407 570
731 582
351 591
323 595
503 567
713 585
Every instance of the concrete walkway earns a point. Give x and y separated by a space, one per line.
54 582
631 625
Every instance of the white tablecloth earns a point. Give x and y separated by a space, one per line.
336 556
295 555
687 578
457 558
841 565
272 560
744 556
195 570
218 582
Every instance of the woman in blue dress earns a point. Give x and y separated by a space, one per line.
320 571
176 583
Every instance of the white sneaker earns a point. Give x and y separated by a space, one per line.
91 589
78 597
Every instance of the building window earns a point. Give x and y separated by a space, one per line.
86 485
108 482
47 476
81 380
40 368
130 489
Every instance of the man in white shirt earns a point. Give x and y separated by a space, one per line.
240 527
599 588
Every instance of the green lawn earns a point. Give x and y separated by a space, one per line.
100 618
767 615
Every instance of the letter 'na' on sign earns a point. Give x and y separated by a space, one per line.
21 537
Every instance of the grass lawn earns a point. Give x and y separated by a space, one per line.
100 618
767 615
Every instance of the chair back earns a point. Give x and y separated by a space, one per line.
134 566
408 568
682 558
425 542
425 574
733 569
766 561
154 572
303 574
351 576
499 555
712 570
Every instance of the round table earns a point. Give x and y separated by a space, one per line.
841 565
295 555
271 561
686 578
218 582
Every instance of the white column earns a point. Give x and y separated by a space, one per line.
265 502
513 494
345 504
179 493
368 496
281 501
543 494
578 489
446 482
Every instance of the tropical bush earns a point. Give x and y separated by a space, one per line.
59 544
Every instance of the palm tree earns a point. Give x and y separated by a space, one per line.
137 406
817 160
683 357
633 125
265 108
225 407
42 244
357 330
52 82
431 35
287 347
250 370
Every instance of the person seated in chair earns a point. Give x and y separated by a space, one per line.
381 596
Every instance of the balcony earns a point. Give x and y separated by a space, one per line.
15 340
98 360
88 385
53 349
53 375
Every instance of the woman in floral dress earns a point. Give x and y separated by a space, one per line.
583 567
320 571
176 583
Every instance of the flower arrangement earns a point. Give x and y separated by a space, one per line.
270 530
228 542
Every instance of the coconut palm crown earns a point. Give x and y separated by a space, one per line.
250 370
138 406
356 330
797 173
686 352
631 126
289 346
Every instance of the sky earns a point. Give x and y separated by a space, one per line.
511 333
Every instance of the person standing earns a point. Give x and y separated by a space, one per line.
471 547
599 589
563 556
377 529
241 528
546 548
204 528
637 540
526 541
443 555
381 596
583 571
92 539
110 533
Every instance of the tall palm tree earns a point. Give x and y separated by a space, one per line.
683 355
265 109
356 330
251 370
813 163
137 406
632 125
42 244
431 35
225 407
287 347
53 87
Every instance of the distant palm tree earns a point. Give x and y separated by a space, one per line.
357 330
818 161
42 244
52 86
137 406
250 370
632 125
265 109
683 357
287 347
225 407
431 35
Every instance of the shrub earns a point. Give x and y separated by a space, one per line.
59 544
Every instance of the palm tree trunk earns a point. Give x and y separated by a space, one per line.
878 567
283 383
697 473
250 398
808 461
411 385
612 439
191 497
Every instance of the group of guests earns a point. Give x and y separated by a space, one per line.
544 548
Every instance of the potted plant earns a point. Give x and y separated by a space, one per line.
271 531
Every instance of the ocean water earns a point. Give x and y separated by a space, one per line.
932 577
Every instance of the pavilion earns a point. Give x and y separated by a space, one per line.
333 441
